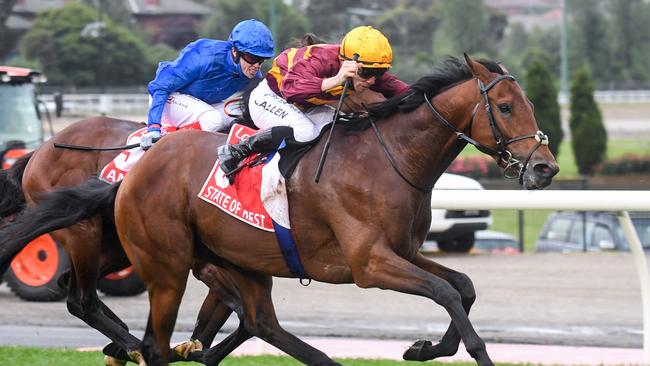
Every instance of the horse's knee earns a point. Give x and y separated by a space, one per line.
446 295
465 288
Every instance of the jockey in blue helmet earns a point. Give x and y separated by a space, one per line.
189 91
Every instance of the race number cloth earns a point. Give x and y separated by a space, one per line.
116 170
242 199
258 197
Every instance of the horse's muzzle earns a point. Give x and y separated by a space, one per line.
539 175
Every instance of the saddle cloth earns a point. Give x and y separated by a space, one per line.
258 195
116 170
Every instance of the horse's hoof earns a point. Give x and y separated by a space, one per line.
115 351
112 361
184 349
136 356
418 351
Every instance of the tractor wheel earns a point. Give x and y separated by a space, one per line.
34 272
123 283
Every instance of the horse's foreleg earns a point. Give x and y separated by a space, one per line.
423 350
260 319
215 310
216 354
220 302
382 268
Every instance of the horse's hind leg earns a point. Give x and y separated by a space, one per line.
260 319
423 350
83 245
165 294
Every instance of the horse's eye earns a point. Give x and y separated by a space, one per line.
504 108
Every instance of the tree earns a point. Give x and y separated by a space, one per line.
332 19
409 27
631 40
468 26
543 94
591 41
7 38
589 137
112 55
291 24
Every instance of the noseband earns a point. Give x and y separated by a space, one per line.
510 170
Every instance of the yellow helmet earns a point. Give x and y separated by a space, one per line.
372 47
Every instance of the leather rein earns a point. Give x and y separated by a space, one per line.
514 168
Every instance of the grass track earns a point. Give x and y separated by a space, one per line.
24 356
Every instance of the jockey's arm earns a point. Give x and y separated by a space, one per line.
348 69
305 79
170 78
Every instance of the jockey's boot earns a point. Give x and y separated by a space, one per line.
231 155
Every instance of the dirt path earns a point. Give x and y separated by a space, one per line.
571 299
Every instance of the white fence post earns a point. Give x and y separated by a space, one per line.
644 278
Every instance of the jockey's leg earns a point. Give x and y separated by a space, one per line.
267 110
184 111
264 141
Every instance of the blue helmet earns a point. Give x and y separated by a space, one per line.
252 36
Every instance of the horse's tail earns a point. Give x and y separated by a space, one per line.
56 210
12 200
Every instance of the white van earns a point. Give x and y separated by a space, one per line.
454 230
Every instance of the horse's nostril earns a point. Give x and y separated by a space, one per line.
544 170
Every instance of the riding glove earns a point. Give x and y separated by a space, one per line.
149 138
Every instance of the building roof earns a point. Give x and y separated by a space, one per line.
167 7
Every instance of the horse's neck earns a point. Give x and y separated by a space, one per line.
423 147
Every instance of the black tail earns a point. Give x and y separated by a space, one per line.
12 199
56 210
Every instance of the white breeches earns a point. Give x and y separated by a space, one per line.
268 110
183 110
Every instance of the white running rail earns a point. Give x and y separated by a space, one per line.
619 201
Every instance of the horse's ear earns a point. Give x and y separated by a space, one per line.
477 69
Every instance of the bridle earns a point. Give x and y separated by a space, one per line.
514 168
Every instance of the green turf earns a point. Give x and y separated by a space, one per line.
507 221
23 356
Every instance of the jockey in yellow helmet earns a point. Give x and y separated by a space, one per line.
296 98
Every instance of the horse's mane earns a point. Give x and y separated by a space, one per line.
448 72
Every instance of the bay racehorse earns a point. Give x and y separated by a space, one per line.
363 223
92 244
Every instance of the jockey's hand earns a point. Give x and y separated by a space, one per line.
348 69
147 140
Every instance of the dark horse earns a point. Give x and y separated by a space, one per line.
92 244
356 225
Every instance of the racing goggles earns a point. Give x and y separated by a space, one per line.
252 59
368 72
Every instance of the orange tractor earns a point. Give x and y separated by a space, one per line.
34 271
